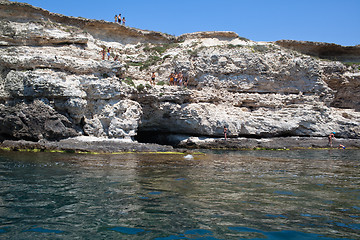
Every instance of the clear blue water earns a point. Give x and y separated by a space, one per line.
303 194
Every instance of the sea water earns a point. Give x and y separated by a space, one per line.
307 194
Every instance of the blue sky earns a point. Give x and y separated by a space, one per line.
333 21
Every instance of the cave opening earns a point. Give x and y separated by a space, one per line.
161 138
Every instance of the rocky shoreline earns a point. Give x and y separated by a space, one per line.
56 91
101 145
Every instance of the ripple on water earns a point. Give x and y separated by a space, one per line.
177 199
155 193
43 230
191 234
284 234
288 193
310 215
180 179
276 216
127 230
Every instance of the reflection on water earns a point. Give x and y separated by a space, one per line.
222 195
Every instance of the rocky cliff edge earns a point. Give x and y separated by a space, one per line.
54 84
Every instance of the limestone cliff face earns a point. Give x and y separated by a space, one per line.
54 84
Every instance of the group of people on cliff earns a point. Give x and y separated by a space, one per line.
178 79
175 79
120 20
106 52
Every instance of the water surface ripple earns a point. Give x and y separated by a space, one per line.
303 194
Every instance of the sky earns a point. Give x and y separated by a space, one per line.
332 21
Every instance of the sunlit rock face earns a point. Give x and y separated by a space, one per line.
54 83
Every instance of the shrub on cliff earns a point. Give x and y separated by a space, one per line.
129 81
140 87
160 48
161 83
152 60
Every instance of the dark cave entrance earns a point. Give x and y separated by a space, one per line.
162 138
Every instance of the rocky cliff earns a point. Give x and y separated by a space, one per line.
55 85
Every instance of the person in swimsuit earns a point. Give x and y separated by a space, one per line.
123 21
108 53
103 52
225 132
180 78
185 80
341 146
330 138
153 78
171 77
176 78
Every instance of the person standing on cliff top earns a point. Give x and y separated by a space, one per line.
116 18
123 21
119 19
330 138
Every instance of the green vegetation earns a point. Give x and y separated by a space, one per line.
140 87
135 64
244 39
193 53
129 81
352 64
148 86
160 48
152 60
165 57
161 83
232 46
260 48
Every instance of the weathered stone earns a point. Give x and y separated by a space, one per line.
54 83
34 121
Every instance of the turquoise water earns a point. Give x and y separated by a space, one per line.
222 195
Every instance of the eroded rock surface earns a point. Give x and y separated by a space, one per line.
54 83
